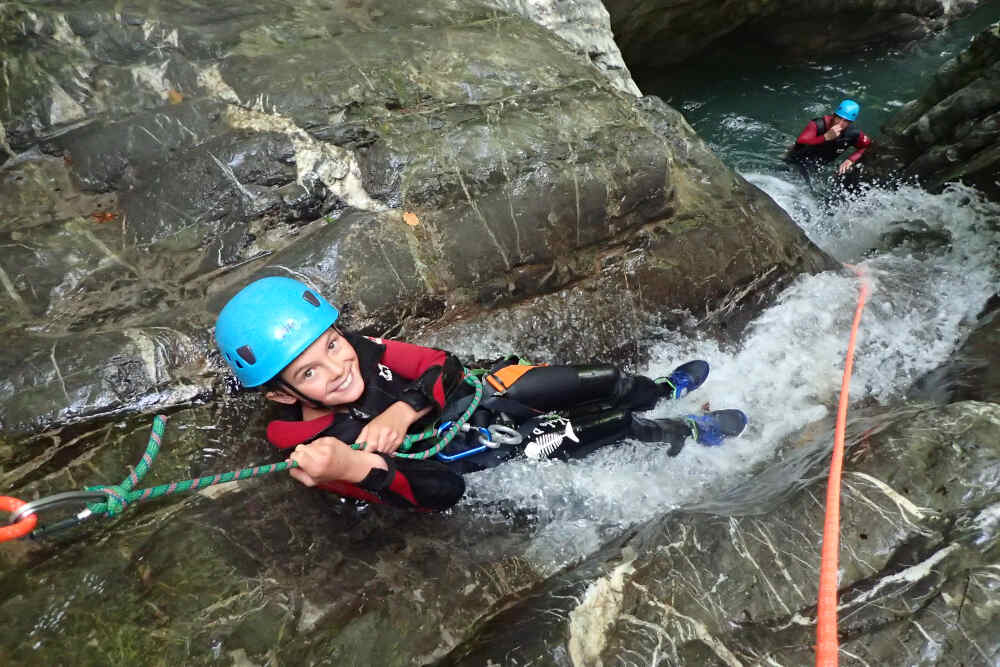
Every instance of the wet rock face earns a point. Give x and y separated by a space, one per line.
410 159
972 373
586 25
657 33
96 375
241 571
920 543
919 532
952 132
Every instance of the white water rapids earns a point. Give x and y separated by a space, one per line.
787 370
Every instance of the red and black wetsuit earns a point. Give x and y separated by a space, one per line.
392 371
812 149
600 399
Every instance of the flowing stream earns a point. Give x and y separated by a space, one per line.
931 260
787 370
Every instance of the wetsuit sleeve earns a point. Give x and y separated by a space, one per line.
810 136
434 372
864 141
413 483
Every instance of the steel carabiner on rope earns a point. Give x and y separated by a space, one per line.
65 498
503 435
28 512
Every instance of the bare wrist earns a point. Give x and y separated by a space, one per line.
407 412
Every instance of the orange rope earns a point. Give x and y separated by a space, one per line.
21 528
827 646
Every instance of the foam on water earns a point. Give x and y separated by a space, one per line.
787 370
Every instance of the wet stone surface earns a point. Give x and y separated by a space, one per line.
160 158
952 131
920 546
657 33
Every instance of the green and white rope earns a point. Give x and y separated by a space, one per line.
120 496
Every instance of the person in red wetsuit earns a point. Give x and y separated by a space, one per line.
827 137
279 334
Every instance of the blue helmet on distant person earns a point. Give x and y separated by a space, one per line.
848 110
268 324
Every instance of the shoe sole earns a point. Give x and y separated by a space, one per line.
746 422
726 435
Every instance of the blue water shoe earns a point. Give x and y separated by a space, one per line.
685 379
714 427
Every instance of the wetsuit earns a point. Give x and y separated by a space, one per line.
811 149
598 399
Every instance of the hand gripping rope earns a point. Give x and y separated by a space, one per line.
24 518
827 646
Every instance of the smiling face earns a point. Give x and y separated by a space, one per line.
327 371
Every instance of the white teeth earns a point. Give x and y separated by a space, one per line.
346 382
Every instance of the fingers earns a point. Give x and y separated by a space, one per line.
302 477
365 437
380 439
390 445
329 459
385 442
314 462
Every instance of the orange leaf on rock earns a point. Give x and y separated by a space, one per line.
103 216
174 97
411 219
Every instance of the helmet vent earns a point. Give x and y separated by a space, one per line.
247 354
311 298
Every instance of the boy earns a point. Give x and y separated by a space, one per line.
279 334
827 137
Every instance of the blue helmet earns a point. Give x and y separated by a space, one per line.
848 110
268 324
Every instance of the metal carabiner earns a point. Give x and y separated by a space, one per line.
65 498
492 437
485 437
502 435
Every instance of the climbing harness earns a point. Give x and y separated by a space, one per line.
113 500
490 437
546 437
443 440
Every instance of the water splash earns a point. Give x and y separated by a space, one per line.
786 372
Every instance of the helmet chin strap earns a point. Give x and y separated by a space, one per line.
302 397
